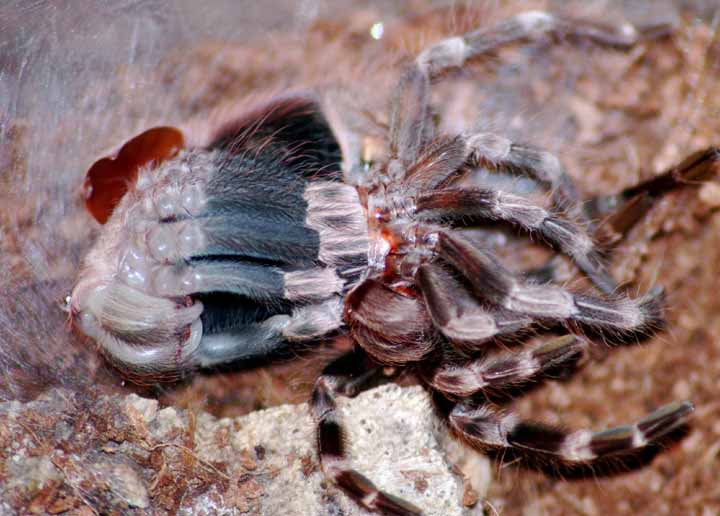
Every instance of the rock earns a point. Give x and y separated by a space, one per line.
121 454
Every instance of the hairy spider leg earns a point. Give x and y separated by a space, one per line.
617 319
457 205
458 315
623 210
559 451
345 377
410 124
500 375
411 127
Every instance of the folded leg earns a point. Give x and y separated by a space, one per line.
620 318
458 315
497 375
346 377
459 205
227 338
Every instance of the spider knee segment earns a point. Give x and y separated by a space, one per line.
536 163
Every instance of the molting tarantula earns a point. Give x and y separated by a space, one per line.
272 230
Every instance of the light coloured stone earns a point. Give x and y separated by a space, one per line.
127 454
392 437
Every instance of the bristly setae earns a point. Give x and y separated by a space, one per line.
273 232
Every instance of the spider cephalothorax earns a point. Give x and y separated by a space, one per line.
272 231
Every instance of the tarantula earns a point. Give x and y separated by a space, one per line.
271 231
